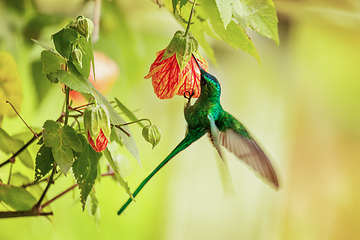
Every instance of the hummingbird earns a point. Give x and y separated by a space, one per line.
206 115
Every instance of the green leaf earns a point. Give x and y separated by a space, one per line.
115 136
94 202
225 10
62 141
51 62
10 145
11 85
128 113
63 41
17 198
46 47
44 162
19 179
74 80
118 176
176 2
115 119
87 56
234 35
260 15
198 32
85 168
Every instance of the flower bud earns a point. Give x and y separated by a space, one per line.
97 126
152 134
76 56
83 25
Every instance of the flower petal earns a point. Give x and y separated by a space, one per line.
167 80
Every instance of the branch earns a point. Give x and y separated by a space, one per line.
29 213
12 158
51 180
71 188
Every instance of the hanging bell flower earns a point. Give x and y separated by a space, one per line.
97 126
174 71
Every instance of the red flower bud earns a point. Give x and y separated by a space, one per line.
101 141
97 127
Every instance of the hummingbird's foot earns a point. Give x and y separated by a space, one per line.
189 95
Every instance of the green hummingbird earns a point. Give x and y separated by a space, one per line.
206 115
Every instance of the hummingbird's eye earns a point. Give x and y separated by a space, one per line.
203 81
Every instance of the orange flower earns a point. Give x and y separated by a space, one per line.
174 71
168 80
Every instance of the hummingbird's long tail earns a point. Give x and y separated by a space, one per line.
191 137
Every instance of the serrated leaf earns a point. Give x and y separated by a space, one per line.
51 62
10 145
44 162
118 176
85 169
62 142
234 35
87 56
115 119
17 198
69 134
260 15
75 80
128 113
225 10
63 41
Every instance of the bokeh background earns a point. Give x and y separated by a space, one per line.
302 104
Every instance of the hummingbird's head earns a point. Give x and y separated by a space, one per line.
208 83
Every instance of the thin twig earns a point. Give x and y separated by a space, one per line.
189 22
128 134
67 94
70 188
51 180
12 158
128 123
28 213
22 119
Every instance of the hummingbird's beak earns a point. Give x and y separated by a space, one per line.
200 68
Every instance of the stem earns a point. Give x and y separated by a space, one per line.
124 124
20 150
22 119
67 93
128 134
11 166
47 186
28 213
189 22
70 188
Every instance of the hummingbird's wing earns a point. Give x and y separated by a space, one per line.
236 139
215 136
223 168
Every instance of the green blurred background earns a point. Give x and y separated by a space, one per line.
302 104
